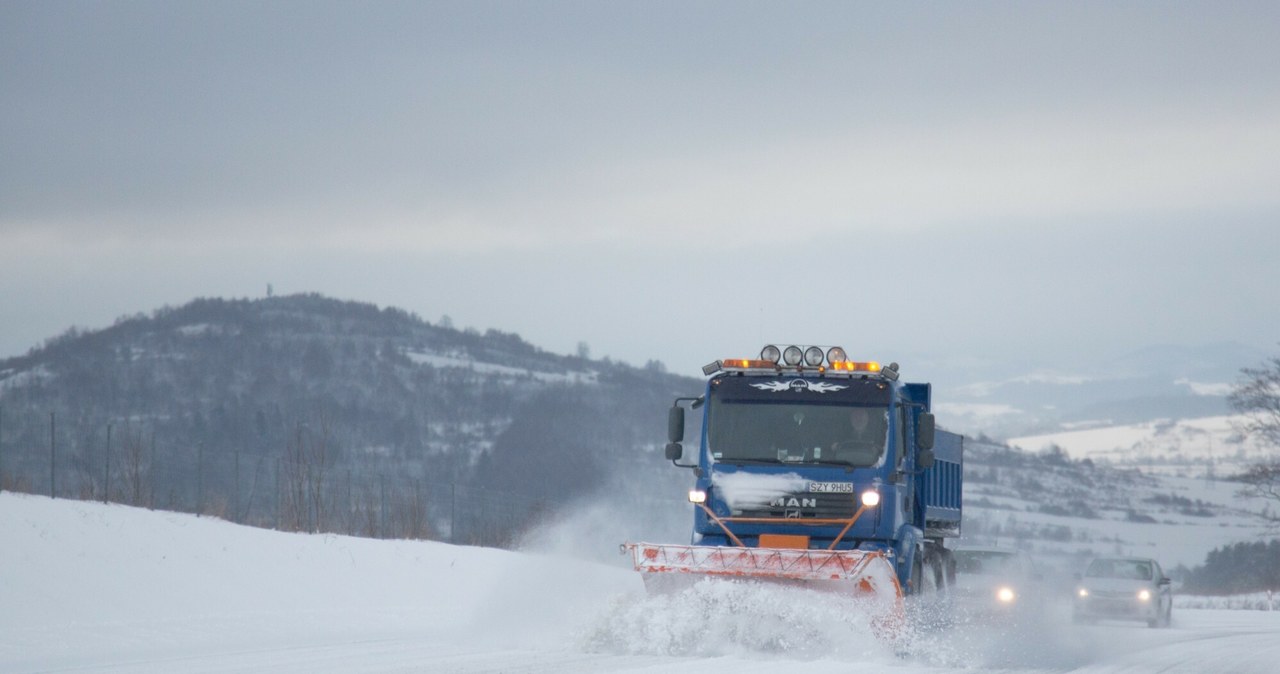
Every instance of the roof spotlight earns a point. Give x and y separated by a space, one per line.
770 353
890 372
836 355
791 356
813 356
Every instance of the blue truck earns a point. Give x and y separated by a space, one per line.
814 468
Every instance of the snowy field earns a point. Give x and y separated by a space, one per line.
93 588
1182 447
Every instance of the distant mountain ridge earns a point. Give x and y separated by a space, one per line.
1160 382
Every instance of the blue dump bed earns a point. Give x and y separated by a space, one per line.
940 488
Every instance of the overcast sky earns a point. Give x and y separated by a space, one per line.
676 181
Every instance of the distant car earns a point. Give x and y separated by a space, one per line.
994 582
1124 588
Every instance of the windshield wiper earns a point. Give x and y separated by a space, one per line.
818 462
746 460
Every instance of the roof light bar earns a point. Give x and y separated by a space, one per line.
748 364
855 366
774 357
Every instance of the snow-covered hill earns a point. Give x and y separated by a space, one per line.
1207 447
1154 489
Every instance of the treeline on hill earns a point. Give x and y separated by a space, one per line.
1237 569
309 413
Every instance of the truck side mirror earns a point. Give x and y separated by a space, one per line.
924 430
675 432
924 460
675 425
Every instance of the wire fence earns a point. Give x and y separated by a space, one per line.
302 488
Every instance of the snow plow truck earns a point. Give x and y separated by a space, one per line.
817 470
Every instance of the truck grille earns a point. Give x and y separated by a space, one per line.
802 505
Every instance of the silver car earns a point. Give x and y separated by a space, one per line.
1124 588
996 583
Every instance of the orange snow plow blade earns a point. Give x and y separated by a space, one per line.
865 575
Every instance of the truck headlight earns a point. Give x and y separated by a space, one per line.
870 498
697 496
1144 595
1082 593
1005 595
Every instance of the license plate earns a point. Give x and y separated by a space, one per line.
831 487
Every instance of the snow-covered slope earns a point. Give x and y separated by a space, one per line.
107 588
92 585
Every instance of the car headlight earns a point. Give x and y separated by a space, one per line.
1006 595
1144 595
1082 593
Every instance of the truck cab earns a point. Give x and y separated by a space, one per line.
803 448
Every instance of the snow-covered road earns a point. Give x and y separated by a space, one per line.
86 587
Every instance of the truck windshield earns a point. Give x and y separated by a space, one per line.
790 433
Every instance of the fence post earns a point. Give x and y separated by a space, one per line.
420 511
453 512
106 471
53 460
199 478
235 508
382 519
278 483
152 472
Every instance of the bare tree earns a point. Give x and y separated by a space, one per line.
413 510
137 466
308 456
1257 398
